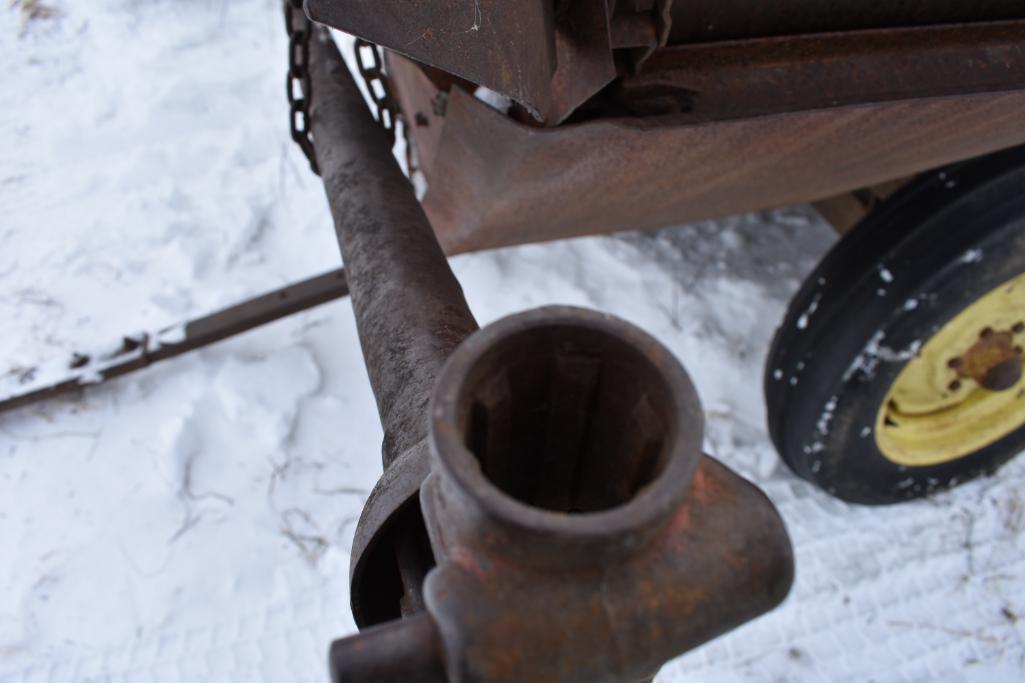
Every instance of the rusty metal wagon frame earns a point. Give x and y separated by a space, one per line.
545 511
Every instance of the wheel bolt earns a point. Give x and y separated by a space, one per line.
955 385
986 332
1018 328
954 363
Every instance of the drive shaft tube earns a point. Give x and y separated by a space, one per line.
410 309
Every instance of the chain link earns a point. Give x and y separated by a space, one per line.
385 108
299 86
377 84
300 89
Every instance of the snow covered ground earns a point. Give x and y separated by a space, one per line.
193 522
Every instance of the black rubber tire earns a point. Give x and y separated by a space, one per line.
944 240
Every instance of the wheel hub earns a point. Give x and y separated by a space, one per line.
994 362
964 390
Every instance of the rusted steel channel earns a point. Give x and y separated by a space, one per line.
545 513
757 77
717 128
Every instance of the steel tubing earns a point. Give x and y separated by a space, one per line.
410 309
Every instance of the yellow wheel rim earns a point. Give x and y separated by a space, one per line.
964 390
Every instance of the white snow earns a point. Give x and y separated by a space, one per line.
866 361
175 334
972 256
89 369
496 101
194 521
875 351
802 321
827 416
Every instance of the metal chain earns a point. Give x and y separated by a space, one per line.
299 86
385 109
300 89
374 78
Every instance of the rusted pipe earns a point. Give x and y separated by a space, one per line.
410 316
560 436
410 309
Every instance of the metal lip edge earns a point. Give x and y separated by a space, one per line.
649 510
